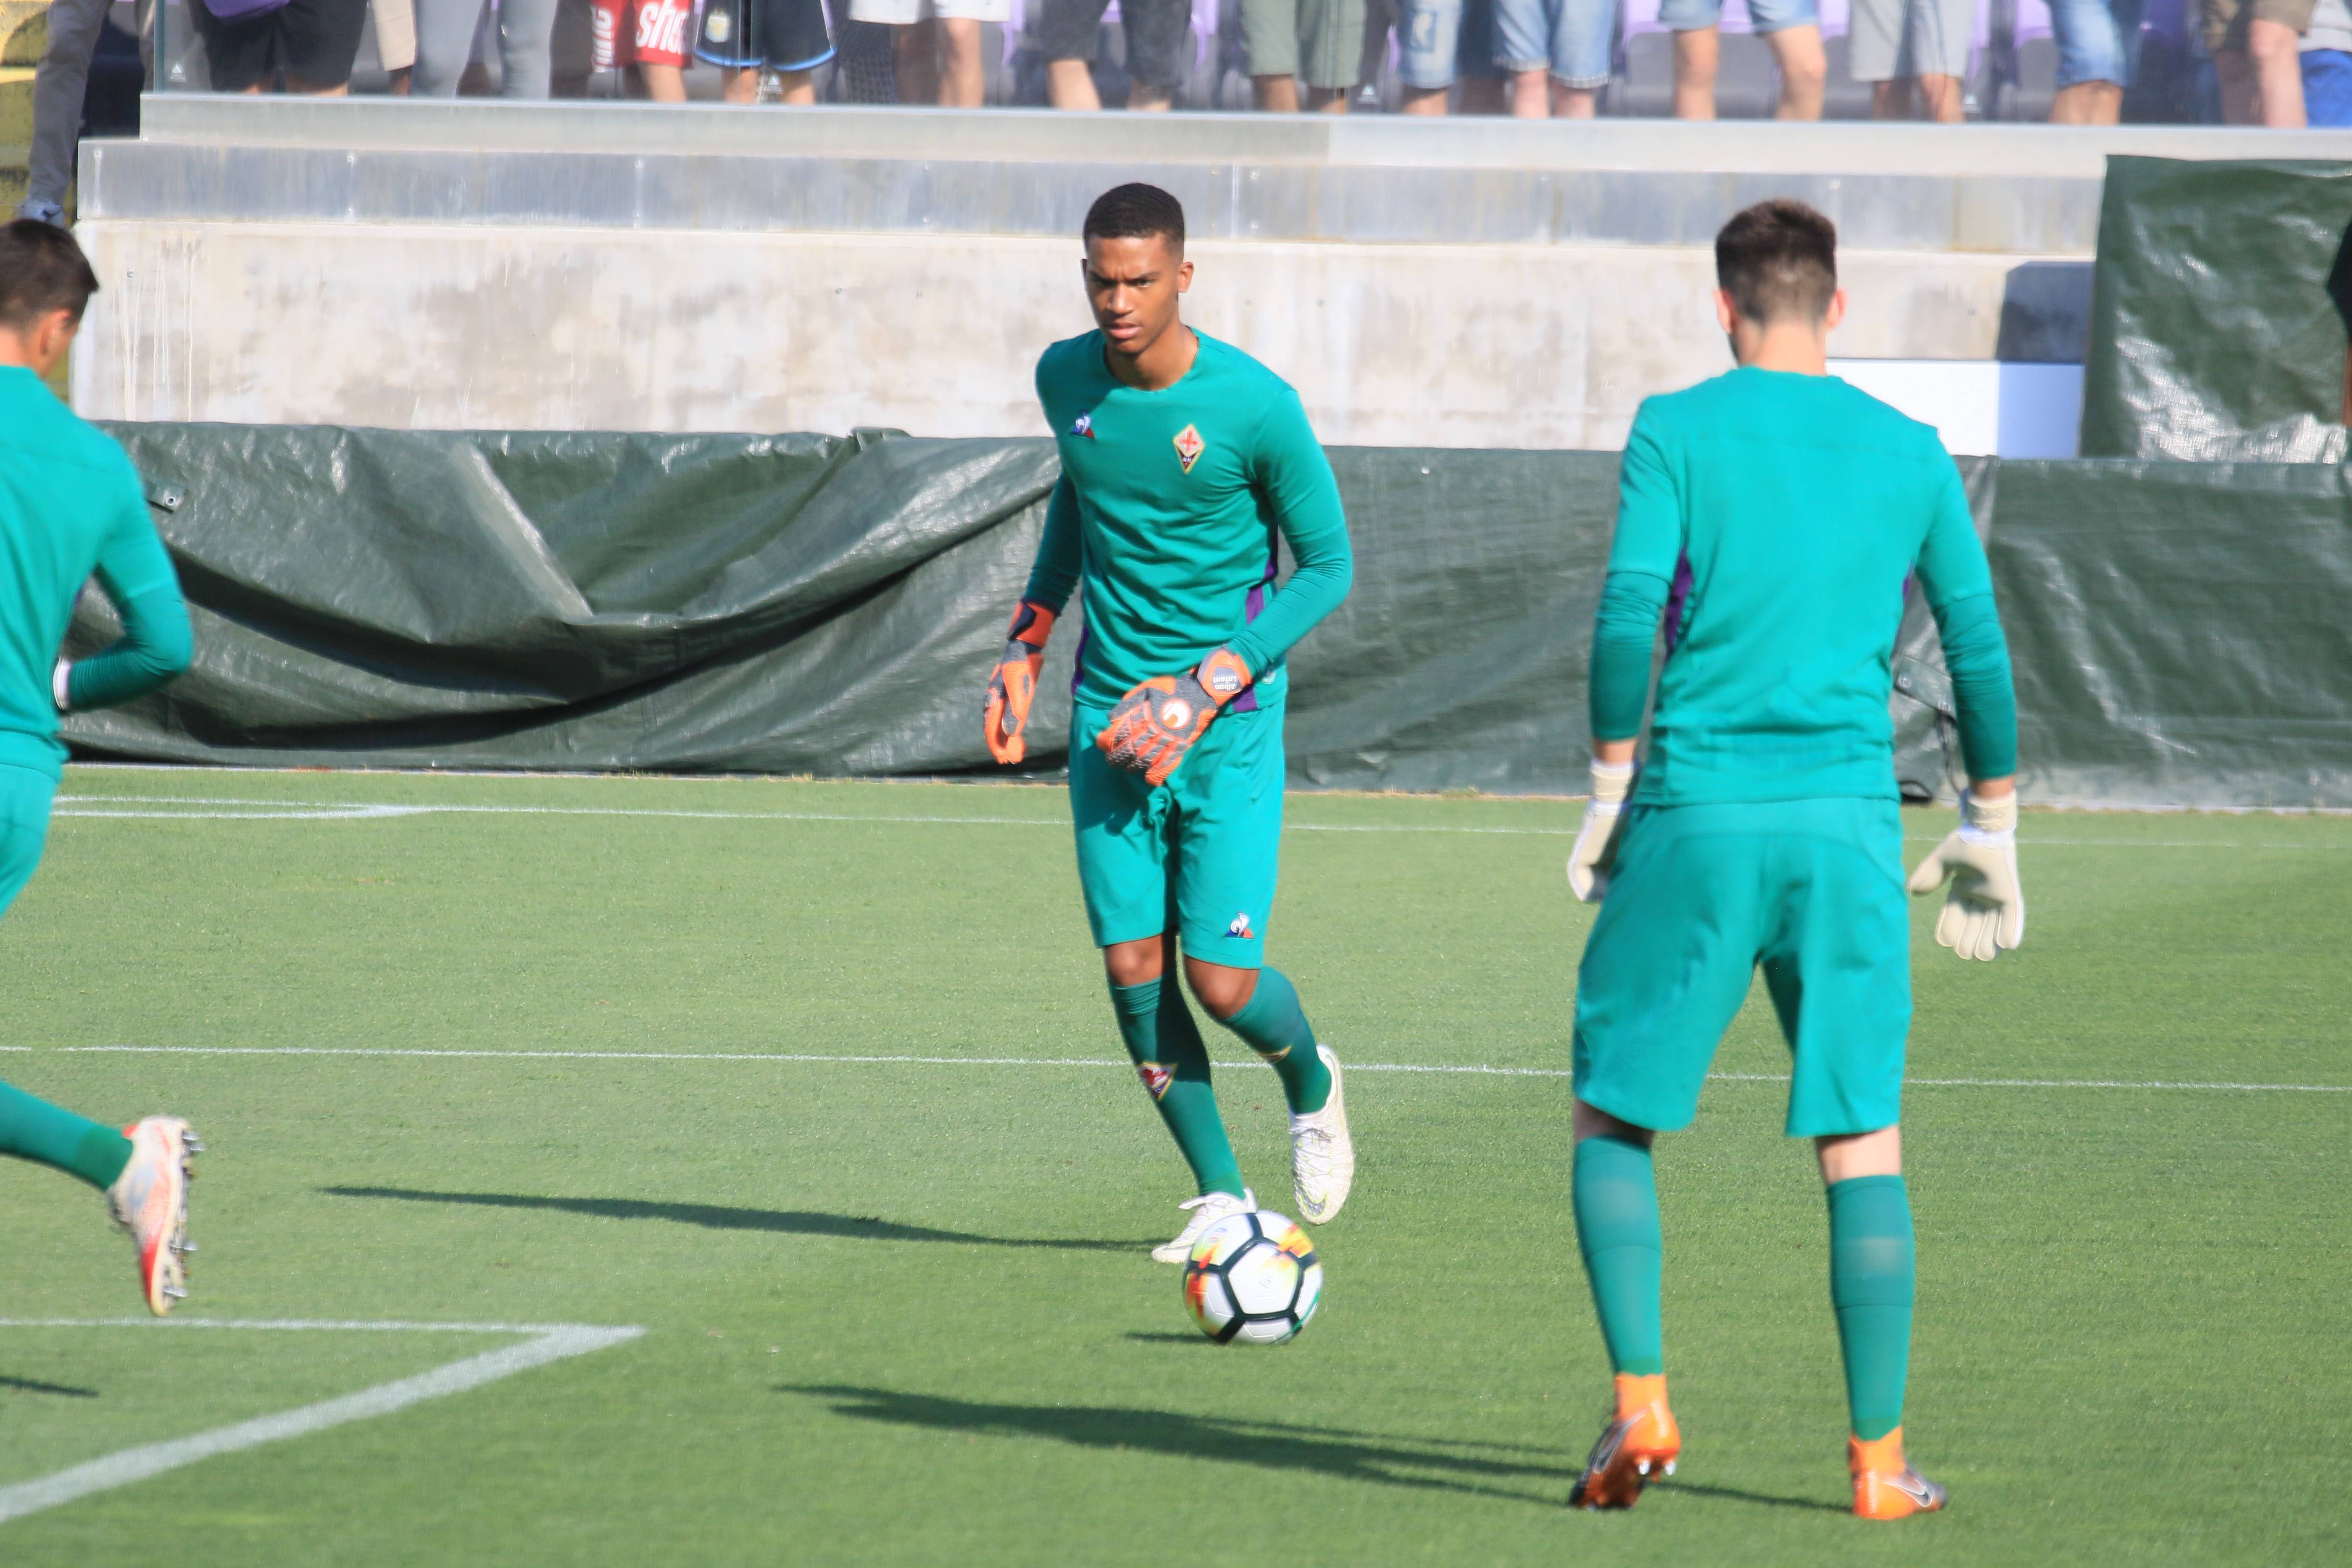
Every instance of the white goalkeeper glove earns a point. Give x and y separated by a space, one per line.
1595 848
1985 911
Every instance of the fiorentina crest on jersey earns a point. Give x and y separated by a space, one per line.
1084 425
1188 446
1240 928
1155 1077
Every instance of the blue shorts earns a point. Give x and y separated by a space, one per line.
1811 891
2098 40
1198 856
1767 16
2327 88
1440 42
1572 39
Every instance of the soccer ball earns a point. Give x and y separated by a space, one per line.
1253 1277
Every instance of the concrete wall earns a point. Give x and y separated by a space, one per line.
629 266
453 328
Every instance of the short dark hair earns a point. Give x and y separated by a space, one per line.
1136 212
1778 260
41 270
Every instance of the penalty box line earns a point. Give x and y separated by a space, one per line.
1441 1070
548 1342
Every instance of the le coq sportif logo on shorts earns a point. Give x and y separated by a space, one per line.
1241 926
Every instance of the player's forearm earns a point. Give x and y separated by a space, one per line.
1623 635
1977 656
156 646
1320 581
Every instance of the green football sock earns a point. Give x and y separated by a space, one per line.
1616 1194
1174 1065
32 1129
1870 1275
1272 1023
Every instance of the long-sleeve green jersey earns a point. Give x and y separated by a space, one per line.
1777 522
1168 509
70 506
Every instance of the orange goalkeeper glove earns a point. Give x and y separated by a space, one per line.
1155 724
1013 684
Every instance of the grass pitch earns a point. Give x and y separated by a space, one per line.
899 1311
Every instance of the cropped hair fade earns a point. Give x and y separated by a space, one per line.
41 270
1136 212
1778 261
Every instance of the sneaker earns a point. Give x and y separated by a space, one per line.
1207 1210
1322 1155
150 1200
1884 1484
1638 1446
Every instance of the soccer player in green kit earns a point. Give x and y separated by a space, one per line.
1775 518
71 506
1183 461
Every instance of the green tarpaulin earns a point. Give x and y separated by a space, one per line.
827 605
2213 334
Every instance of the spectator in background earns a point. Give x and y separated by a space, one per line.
395 41
1915 53
645 40
2326 62
2098 59
1155 31
445 42
254 45
743 37
2257 49
1440 42
936 45
1791 28
1322 40
1558 54
60 86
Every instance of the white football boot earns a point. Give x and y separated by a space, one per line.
1207 1210
150 1200
1322 1154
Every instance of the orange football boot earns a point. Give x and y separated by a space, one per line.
1635 1448
1884 1484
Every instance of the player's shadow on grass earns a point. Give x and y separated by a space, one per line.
1344 1455
716 1217
35 1386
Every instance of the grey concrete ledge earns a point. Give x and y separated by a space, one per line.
1338 203
1024 135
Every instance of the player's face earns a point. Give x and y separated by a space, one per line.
1133 285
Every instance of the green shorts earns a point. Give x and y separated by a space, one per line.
1197 856
1702 895
24 798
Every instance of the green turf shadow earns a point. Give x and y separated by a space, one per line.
716 1217
35 1386
1339 1455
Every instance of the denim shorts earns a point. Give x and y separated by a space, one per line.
2098 40
1769 15
1572 39
1441 41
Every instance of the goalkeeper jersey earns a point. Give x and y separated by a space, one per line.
1777 522
71 505
1168 509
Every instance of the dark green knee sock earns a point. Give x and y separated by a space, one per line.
32 1129
1616 1192
1272 1023
1174 1065
1870 1275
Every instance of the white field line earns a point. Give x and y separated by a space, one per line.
1475 1071
95 806
548 1342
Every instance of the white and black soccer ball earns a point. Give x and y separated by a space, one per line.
1253 1278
